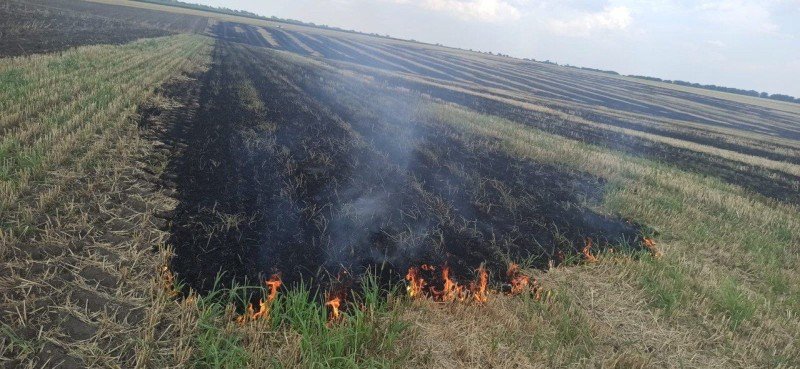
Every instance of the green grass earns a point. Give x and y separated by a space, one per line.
572 328
366 335
217 347
14 343
734 303
665 283
13 82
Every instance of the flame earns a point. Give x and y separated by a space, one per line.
169 282
191 300
334 303
650 244
264 305
587 252
451 291
480 293
477 291
519 282
537 295
273 284
415 283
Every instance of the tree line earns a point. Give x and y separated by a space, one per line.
732 90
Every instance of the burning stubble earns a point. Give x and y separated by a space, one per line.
335 172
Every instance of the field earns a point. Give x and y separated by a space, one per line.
162 167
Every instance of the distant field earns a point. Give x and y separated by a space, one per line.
150 187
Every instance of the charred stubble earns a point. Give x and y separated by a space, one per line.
305 172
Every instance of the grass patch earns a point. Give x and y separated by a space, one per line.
734 303
365 336
216 346
12 82
664 282
572 328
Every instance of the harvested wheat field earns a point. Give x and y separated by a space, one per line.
187 188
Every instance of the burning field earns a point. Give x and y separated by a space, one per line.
325 173
264 194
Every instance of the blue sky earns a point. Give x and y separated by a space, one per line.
737 43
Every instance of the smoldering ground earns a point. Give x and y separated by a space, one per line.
303 170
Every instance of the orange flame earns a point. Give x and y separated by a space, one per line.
538 290
451 291
264 305
415 283
480 293
519 282
334 305
650 244
587 252
273 283
169 282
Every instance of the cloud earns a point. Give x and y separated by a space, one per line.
610 18
477 10
740 14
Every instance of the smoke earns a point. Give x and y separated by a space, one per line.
369 226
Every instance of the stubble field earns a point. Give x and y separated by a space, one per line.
150 189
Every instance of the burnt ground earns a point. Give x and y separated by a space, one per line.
773 184
32 27
176 22
297 170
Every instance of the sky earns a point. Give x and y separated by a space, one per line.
734 43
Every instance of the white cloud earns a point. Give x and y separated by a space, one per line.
478 10
740 14
610 18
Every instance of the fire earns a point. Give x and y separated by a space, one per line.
451 291
273 283
334 303
650 244
264 305
519 282
169 282
477 290
415 283
587 252
480 292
